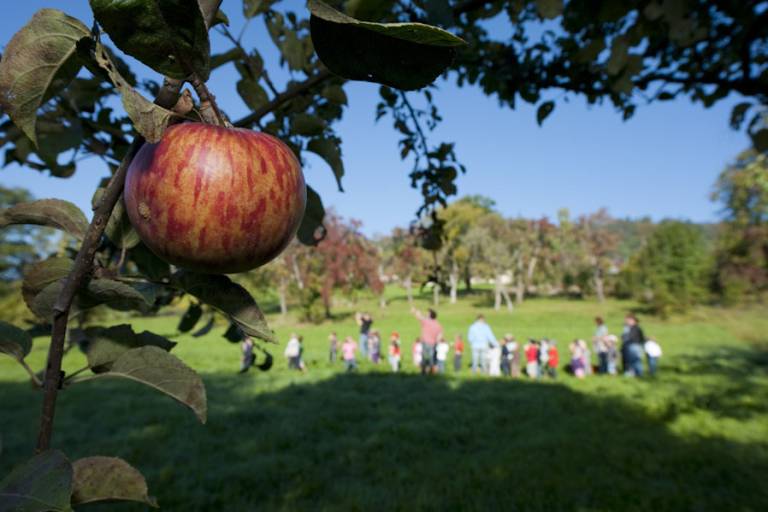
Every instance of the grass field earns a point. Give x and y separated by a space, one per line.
695 438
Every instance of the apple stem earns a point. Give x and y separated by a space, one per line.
81 270
209 109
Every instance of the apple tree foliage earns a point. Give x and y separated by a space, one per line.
55 113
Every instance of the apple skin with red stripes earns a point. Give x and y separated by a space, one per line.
215 200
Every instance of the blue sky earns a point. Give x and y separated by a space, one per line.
661 163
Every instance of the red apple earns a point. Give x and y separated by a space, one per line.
214 199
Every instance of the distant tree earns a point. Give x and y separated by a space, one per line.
345 260
403 257
455 256
489 241
671 272
599 245
742 246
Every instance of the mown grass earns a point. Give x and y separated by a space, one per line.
695 438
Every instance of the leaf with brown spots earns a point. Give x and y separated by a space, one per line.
108 478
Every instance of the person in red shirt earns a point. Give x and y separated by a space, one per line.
532 359
431 331
458 350
554 360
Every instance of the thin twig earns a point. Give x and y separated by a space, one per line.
415 118
296 90
69 378
80 272
208 103
31 373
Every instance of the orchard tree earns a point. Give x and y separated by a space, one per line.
742 246
599 246
404 258
671 272
188 193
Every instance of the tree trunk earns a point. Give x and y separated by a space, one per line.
467 278
520 289
507 299
436 294
382 301
599 285
297 274
282 291
497 292
454 280
409 289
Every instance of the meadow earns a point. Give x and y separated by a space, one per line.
694 438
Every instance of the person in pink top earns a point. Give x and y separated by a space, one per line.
348 349
431 332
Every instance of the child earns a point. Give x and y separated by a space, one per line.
248 357
653 353
514 355
417 353
458 351
300 363
375 351
334 346
554 359
441 353
532 359
394 352
348 349
611 346
494 360
577 359
505 359
293 352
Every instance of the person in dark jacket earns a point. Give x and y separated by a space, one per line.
632 347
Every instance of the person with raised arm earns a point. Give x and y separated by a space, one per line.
431 332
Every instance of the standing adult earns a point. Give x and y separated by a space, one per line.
633 340
600 344
365 321
481 338
431 331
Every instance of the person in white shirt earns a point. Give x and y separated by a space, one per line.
652 353
292 352
441 350
494 360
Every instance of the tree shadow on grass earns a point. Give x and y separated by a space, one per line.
399 442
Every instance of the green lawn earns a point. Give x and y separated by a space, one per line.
695 438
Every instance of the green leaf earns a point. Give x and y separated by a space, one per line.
170 36
368 10
544 110
307 124
211 12
760 140
190 318
618 58
549 9
311 231
330 151
335 94
150 120
54 213
41 274
402 55
227 297
293 51
38 62
14 341
116 295
41 484
220 59
107 344
252 93
119 229
738 113
149 264
108 478
166 373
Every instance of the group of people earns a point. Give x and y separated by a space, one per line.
489 355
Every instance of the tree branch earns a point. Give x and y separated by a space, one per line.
80 272
293 91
